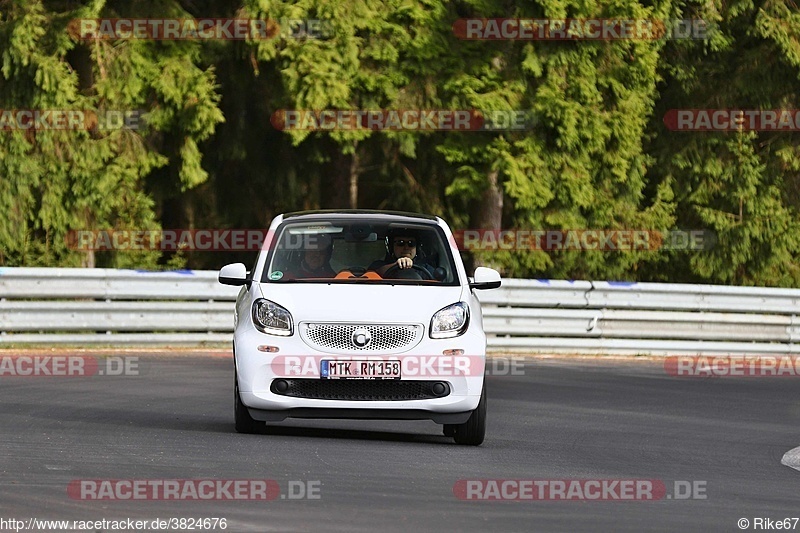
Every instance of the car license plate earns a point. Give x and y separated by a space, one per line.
359 369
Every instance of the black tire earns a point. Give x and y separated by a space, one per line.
244 422
473 431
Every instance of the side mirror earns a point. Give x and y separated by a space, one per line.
234 274
485 278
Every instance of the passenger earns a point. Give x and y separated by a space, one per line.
315 262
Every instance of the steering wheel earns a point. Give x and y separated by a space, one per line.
415 272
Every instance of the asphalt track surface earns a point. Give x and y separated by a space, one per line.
563 419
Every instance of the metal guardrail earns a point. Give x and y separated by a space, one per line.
108 306
641 318
83 306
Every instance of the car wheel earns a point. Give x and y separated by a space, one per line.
473 430
244 422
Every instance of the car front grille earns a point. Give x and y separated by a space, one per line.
359 389
380 338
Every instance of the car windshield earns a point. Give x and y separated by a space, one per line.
359 251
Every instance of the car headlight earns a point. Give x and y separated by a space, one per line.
269 317
451 321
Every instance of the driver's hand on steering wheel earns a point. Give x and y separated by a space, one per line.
405 262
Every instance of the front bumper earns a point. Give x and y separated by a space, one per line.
257 370
269 415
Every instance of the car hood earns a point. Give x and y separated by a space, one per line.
360 302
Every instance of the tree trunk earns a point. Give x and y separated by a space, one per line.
487 212
339 187
80 59
354 177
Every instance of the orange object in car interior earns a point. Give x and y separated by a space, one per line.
346 274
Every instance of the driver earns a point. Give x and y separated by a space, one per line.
401 248
315 262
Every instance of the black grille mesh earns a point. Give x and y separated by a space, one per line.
360 389
384 337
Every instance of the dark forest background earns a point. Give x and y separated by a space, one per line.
599 155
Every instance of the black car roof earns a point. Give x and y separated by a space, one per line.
374 214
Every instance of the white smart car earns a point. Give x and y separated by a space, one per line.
360 314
